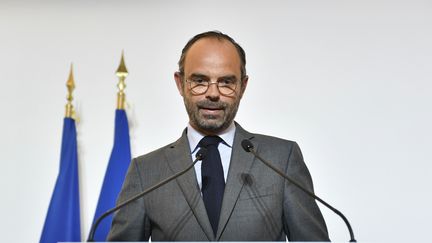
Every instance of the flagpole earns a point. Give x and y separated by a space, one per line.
62 222
70 84
121 73
118 163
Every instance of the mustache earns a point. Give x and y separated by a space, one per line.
211 104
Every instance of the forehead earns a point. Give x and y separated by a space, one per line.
212 55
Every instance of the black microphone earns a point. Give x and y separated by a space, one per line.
248 147
199 156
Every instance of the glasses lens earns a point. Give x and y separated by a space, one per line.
227 90
198 88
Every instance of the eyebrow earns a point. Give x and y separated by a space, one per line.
231 77
199 75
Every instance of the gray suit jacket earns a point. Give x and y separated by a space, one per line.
258 205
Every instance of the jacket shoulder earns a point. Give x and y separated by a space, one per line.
272 139
271 142
155 157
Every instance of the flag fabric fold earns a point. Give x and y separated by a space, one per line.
62 222
115 174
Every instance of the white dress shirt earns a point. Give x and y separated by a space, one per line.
225 148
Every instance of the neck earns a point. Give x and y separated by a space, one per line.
219 132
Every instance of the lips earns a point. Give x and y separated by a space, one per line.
211 110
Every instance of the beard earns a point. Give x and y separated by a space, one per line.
209 123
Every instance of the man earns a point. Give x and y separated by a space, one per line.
230 196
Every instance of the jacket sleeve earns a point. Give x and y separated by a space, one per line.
130 223
303 220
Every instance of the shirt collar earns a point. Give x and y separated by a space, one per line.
195 137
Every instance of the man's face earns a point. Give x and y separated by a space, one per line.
212 60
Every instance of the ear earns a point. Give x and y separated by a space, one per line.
243 85
179 82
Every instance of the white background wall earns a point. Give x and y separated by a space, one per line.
350 81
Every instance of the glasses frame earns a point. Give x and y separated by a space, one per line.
207 85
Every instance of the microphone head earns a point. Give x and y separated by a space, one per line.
201 154
247 145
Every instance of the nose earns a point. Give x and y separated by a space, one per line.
213 91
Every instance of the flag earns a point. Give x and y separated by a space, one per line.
62 222
115 174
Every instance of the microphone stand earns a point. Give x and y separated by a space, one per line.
248 147
199 156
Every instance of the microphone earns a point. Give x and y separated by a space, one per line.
199 156
248 147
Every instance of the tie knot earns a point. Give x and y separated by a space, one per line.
210 141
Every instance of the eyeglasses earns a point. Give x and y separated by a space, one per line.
199 86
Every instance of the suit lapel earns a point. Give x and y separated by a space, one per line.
241 162
178 157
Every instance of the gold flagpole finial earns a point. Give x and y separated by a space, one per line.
121 73
70 84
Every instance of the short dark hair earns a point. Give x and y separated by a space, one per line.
220 36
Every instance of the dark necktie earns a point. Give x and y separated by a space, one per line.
213 183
